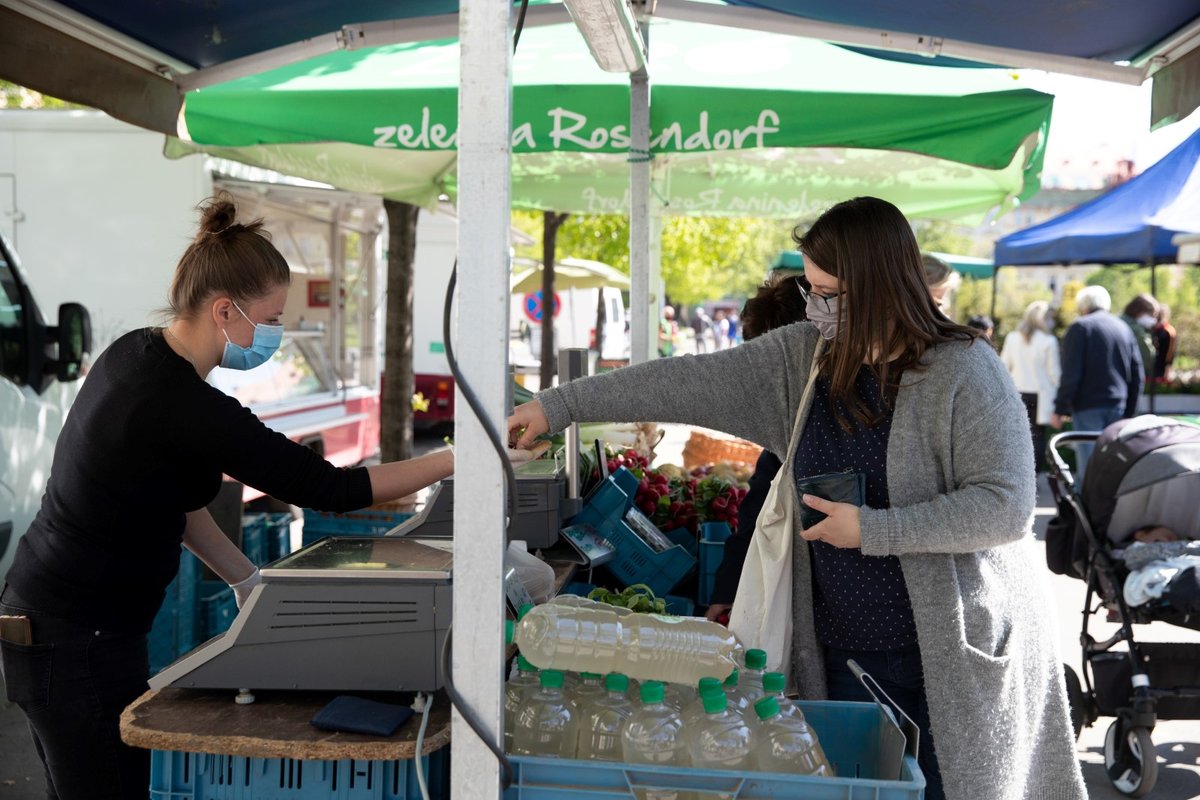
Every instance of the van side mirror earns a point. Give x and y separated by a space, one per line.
74 337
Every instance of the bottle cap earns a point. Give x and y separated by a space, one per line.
732 680
707 690
774 682
708 682
523 610
766 708
591 676
652 692
756 659
510 631
552 678
523 665
715 702
616 682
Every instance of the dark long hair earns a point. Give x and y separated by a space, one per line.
886 308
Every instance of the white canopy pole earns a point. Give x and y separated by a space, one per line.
643 313
484 165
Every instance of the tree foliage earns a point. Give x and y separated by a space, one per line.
14 96
703 258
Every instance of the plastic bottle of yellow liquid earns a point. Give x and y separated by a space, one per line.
643 646
599 731
589 688
750 677
737 700
720 739
787 744
653 734
773 686
545 725
694 711
516 692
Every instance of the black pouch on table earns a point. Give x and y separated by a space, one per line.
358 715
838 487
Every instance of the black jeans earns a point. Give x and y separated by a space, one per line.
1038 432
900 674
73 683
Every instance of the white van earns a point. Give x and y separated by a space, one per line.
37 364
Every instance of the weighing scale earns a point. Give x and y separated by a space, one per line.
342 614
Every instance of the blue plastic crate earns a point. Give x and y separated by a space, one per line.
218 608
635 561
279 535
712 553
678 606
849 734
364 522
205 776
173 632
255 540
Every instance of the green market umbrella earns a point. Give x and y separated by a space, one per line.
742 123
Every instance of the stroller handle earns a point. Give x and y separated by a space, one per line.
1060 465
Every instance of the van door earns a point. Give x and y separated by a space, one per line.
25 453
616 337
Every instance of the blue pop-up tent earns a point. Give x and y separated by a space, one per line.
1130 224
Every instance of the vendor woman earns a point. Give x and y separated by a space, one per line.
140 457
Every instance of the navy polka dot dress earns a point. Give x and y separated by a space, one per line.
860 602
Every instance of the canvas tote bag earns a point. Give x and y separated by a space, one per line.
762 608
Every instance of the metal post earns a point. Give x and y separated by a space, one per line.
572 364
641 343
484 164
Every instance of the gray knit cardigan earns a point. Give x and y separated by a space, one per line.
962 498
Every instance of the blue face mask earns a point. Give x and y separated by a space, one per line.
266 341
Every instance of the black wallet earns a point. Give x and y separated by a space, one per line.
359 715
840 487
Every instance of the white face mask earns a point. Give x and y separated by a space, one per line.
823 312
1146 321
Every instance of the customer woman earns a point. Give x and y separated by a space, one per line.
1030 354
933 583
140 456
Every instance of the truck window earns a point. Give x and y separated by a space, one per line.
14 357
298 369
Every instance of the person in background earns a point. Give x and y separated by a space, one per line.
721 328
934 585
1030 354
1165 338
982 323
1102 372
1141 315
781 300
735 329
668 332
139 458
943 281
702 327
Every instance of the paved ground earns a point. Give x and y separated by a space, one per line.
1177 743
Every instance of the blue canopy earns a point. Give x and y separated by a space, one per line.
1130 224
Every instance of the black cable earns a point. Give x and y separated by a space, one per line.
457 700
520 24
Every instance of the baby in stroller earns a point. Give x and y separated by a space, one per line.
1139 500
1132 533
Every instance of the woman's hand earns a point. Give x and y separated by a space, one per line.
528 421
840 527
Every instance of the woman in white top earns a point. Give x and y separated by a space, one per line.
1031 355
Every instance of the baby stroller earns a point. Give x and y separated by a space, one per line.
1143 472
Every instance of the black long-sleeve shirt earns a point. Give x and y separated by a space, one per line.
1101 366
736 546
146 441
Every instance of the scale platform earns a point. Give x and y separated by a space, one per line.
342 614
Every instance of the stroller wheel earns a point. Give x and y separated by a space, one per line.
1130 759
1081 708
